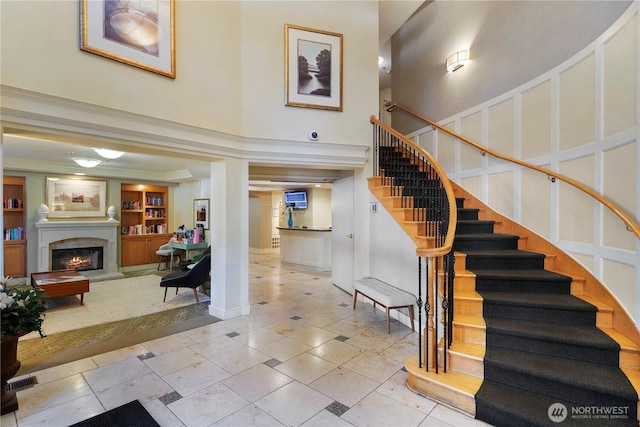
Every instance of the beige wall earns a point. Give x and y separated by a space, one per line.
229 66
260 220
510 43
227 100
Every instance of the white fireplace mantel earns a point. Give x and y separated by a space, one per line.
53 231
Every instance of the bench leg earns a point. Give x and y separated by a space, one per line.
195 292
355 298
388 322
165 295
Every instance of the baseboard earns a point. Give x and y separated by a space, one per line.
227 314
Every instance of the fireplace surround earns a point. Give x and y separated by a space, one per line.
54 235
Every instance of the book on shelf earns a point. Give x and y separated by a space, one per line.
154 213
128 230
12 203
131 206
154 201
14 233
156 229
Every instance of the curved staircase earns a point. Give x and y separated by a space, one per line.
531 328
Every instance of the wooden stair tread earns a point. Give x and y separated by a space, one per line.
600 305
464 319
470 349
624 342
471 295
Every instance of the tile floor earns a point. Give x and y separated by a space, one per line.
303 357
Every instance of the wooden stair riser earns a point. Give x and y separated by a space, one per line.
467 306
469 333
461 363
464 282
460 264
630 359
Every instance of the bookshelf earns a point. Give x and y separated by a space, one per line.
144 222
14 211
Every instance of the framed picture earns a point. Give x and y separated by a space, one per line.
139 33
70 198
313 68
201 213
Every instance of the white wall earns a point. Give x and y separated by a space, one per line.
579 119
510 43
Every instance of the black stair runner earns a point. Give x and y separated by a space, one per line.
546 363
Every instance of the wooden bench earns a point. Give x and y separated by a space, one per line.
384 294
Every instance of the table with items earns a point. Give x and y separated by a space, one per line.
187 247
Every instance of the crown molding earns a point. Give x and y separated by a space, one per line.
46 116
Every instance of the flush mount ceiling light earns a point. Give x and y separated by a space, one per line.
87 163
457 60
109 154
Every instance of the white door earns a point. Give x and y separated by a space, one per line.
342 233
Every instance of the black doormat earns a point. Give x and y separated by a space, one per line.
131 414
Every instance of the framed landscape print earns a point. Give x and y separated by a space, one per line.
313 68
69 198
139 33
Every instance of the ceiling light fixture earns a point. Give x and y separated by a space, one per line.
457 60
109 154
87 163
380 60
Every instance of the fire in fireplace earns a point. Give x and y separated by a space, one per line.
80 259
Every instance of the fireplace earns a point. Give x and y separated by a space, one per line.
79 259
87 246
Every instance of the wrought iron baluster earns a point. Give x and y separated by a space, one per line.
419 303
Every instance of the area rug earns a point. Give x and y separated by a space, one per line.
110 301
131 414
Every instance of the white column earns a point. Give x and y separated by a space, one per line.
229 231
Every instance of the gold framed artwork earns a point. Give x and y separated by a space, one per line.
139 33
313 68
70 198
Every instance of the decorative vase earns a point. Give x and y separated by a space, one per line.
290 221
10 367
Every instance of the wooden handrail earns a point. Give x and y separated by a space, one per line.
451 198
630 223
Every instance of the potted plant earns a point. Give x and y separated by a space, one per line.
22 312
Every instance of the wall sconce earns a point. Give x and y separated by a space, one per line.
87 163
457 60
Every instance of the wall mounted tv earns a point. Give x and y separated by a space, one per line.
296 199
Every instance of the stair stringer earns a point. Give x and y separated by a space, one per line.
612 318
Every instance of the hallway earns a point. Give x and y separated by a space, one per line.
303 357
